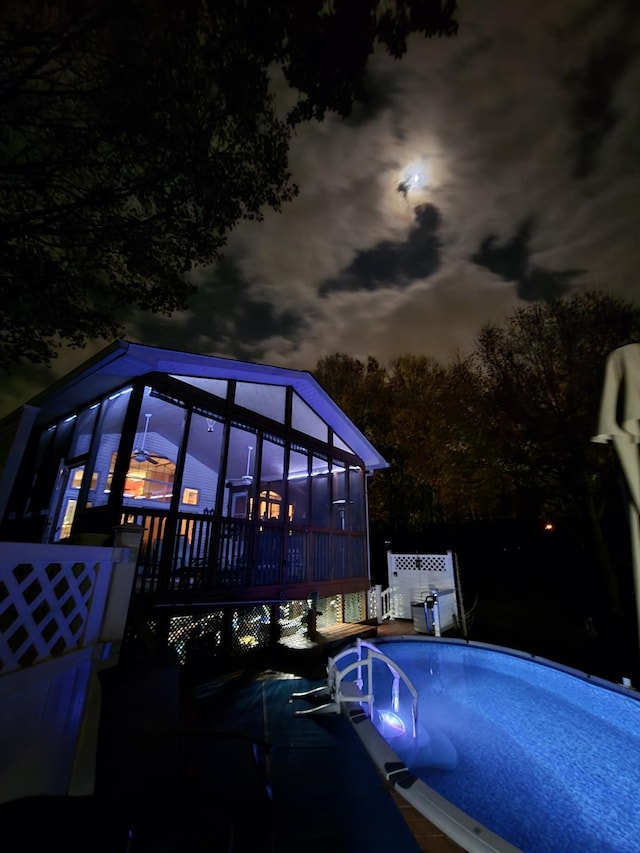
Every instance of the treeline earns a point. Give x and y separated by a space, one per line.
502 433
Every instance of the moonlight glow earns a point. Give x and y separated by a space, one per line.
414 178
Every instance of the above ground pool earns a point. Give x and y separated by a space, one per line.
542 756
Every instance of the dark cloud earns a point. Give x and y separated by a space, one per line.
503 117
394 263
226 315
593 115
511 261
381 91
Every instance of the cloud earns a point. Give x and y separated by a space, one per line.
527 128
226 317
394 263
435 317
594 114
511 262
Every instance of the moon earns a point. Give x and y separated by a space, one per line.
414 178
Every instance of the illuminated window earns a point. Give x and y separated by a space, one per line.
190 496
149 480
270 505
76 481
67 518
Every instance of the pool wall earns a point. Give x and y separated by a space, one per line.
476 644
456 824
472 836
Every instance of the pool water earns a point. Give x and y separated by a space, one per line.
548 760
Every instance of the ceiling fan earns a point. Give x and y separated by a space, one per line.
247 478
142 455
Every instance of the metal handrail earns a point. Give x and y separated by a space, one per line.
336 676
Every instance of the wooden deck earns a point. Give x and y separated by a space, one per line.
345 631
327 637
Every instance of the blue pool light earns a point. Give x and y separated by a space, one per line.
392 725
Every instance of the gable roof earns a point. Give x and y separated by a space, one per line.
123 361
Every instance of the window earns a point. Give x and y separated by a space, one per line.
320 493
270 504
240 473
149 479
299 484
152 464
190 497
109 428
200 476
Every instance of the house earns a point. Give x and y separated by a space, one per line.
247 482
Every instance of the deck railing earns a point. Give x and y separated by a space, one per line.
204 552
379 604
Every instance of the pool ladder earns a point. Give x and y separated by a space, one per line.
339 692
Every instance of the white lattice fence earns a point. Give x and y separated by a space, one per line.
434 565
62 616
47 607
412 575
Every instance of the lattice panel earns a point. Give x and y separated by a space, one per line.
421 562
250 628
196 633
43 611
354 607
329 612
412 575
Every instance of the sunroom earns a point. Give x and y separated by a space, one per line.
248 482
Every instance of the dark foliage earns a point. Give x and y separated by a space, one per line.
135 135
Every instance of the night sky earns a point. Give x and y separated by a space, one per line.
486 172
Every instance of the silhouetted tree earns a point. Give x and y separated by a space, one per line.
544 371
135 135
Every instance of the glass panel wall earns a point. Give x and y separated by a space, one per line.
305 420
45 473
238 487
271 495
202 465
299 486
111 419
272 512
298 495
357 499
320 492
251 508
267 400
83 432
66 504
339 503
51 477
150 477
